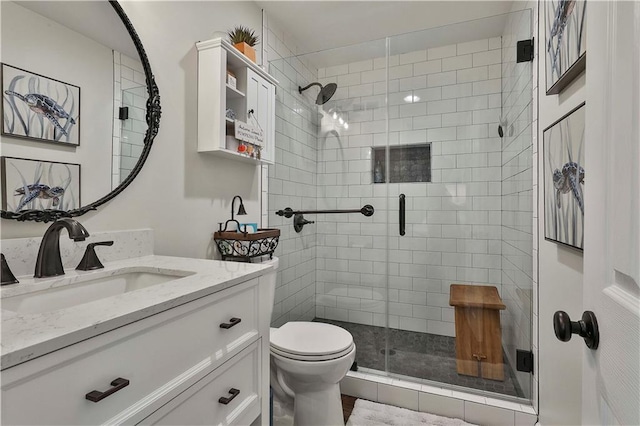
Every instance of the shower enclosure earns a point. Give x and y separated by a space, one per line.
434 130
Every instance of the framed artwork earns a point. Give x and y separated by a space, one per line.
39 185
564 177
565 29
40 108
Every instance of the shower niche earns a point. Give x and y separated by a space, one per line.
248 98
407 163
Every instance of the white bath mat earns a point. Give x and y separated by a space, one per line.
367 413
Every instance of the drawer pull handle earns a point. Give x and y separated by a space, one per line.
97 396
231 323
234 392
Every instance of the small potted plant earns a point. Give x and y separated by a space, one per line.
243 39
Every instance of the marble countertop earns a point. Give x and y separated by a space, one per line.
27 336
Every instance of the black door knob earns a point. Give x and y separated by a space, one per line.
587 328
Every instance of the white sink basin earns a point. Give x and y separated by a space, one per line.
88 289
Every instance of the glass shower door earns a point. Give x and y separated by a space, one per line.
460 269
351 248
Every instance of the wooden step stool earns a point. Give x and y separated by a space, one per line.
478 333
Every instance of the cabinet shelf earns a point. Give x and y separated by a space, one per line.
233 93
232 155
255 91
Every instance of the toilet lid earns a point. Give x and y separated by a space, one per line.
311 358
311 338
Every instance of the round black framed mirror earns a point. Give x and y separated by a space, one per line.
41 115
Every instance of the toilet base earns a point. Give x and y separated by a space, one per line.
318 406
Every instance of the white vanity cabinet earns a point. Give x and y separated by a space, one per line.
183 365
254 91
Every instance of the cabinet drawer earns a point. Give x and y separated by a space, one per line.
201 404
159 355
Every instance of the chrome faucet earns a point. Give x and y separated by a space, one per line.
49 262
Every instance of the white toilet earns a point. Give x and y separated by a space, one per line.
308 360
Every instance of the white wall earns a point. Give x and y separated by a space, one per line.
37 44
559 275
179 193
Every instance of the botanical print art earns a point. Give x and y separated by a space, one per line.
39 185
565 23
564 178
37 107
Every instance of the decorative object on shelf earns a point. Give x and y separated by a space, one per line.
249 133
250 228
244 246
565 23
39 185
243 39
241 212
378 175
39 107
229 113
239 244
231 79
250 150
564 177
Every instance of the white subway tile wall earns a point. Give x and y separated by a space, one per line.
292 179
517 195
453 230
130 91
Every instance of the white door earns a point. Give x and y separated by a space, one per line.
611 373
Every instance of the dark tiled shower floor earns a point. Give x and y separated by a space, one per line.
419 355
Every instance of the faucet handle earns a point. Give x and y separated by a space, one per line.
7 275
90 260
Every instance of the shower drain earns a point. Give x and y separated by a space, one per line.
391 351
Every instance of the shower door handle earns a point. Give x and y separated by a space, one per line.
401 212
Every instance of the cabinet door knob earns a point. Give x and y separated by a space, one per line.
232 322
234 392
587 328
97 396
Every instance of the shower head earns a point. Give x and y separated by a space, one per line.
326 92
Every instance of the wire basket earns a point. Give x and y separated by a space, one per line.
243 246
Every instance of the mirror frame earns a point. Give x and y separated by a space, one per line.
153 124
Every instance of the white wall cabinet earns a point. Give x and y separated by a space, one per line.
179 363
254 91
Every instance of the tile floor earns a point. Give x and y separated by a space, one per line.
419 355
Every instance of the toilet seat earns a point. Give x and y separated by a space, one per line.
311 341
324 357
